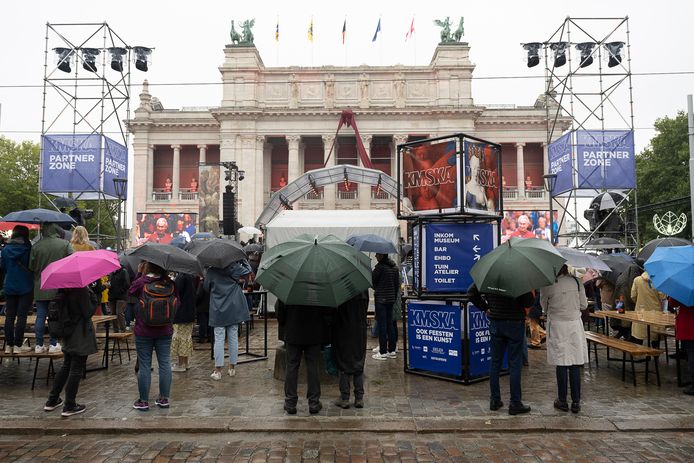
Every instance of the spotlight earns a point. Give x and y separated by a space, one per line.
614 49
142 57
89 58
533 49
117 54
586 49
559 49
64 56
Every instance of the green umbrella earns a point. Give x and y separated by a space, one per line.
314 270
517 266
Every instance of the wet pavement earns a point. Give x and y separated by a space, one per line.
406 417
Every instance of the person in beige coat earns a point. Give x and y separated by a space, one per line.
566 341
647 299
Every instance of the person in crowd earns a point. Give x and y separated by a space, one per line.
349 347
133 300
623 300
105 288
228 309
77 346
181 232
18 287
507 329
304 329
202 312
566 341
80 240
542 231
183 323
119 282
161 234
647 299
684 332
47 250
524 228
537 333
385 280
150 339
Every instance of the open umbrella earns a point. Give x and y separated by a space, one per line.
167 257
7 226
648 248
608 200
604 243
372 243
250 230
64 202
202 236
38 216
577 258
314 270
217 252
79 269
618 263
672 272
255 247
517 266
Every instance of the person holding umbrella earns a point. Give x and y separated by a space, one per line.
386 283
18 288
349 346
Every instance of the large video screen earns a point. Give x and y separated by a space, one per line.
164 227
528 224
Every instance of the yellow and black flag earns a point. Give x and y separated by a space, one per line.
277 31
310 31
344 31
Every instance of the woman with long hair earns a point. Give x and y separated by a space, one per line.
80 240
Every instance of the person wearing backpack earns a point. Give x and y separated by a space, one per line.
153 330
70 316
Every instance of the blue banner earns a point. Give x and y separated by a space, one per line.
115 165
417 267
70 163
434 336
560 163
605 159
449 252
479 342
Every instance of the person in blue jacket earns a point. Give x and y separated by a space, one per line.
19 288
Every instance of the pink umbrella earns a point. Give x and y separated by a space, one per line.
79 269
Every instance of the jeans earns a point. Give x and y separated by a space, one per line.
688 347
358 379
506 334
40 326
573 373
162 346
232 333
16 307
312 355
69 377
386 329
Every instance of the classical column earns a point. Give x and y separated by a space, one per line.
520 170
293 169
364 189
545 158
176 180
329 191
397 140
203 154
258 177
150 171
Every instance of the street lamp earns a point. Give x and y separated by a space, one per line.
550 180
120 185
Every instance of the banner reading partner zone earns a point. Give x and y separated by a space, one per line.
449 175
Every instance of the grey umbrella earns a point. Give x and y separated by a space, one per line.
217 252
167 257
372 243
576 258
618 263
650 247
64 202
38 216
254 247
604 243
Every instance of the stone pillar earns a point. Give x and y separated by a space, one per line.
293 169
398 140
329 191
258 177
545 158
520 170
364 189
203 154
176 175
150 171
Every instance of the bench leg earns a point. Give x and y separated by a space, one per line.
667 353
657 372
36 368
127 346
633 369
51 371
624 366
595 352
648 360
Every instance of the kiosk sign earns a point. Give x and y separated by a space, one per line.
434 336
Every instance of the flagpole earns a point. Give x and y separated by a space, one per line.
414 34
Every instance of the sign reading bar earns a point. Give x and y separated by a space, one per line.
434 336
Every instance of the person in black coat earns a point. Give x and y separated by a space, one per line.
118 295
386 284
202 312
304 330
183 322
349 347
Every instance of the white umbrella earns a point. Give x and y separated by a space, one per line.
250 230
576 258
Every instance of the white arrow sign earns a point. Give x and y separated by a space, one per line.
477 257
475 237
476 248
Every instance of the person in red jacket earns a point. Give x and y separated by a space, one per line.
684 332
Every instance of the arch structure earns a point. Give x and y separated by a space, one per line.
313 179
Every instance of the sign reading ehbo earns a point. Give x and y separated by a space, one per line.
433 334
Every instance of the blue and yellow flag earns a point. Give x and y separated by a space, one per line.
277 31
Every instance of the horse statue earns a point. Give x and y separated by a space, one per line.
446 29
247 33
235 36
460 31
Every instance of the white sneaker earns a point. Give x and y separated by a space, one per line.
216 375
391 355
22 349
232 372
380 356
376 350
177 367
55 349
40 349
8 349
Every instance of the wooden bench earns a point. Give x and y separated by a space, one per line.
626 347
115 339
37 357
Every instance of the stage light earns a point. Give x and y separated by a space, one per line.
586 50
242 175
89 58
117 54
533 49
559 49
64 57
614 49
142 57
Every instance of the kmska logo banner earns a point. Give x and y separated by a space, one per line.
605 159
70 163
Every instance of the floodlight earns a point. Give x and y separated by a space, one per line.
241 175
533 49
89 58
142 57
586 50
117 54
64 57
559 49
614 49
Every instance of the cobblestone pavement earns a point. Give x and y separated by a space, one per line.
358 447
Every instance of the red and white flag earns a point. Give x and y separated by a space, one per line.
410 31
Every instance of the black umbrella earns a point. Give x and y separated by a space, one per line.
254 247
130 263
38 216
608 200
604 243
648 249
217 252
64 202
167 257
618 263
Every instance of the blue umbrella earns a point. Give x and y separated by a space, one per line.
371 243
38 216
672 272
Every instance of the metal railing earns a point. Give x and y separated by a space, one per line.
510 193
351 194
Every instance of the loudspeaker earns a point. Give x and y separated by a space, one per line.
228 213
